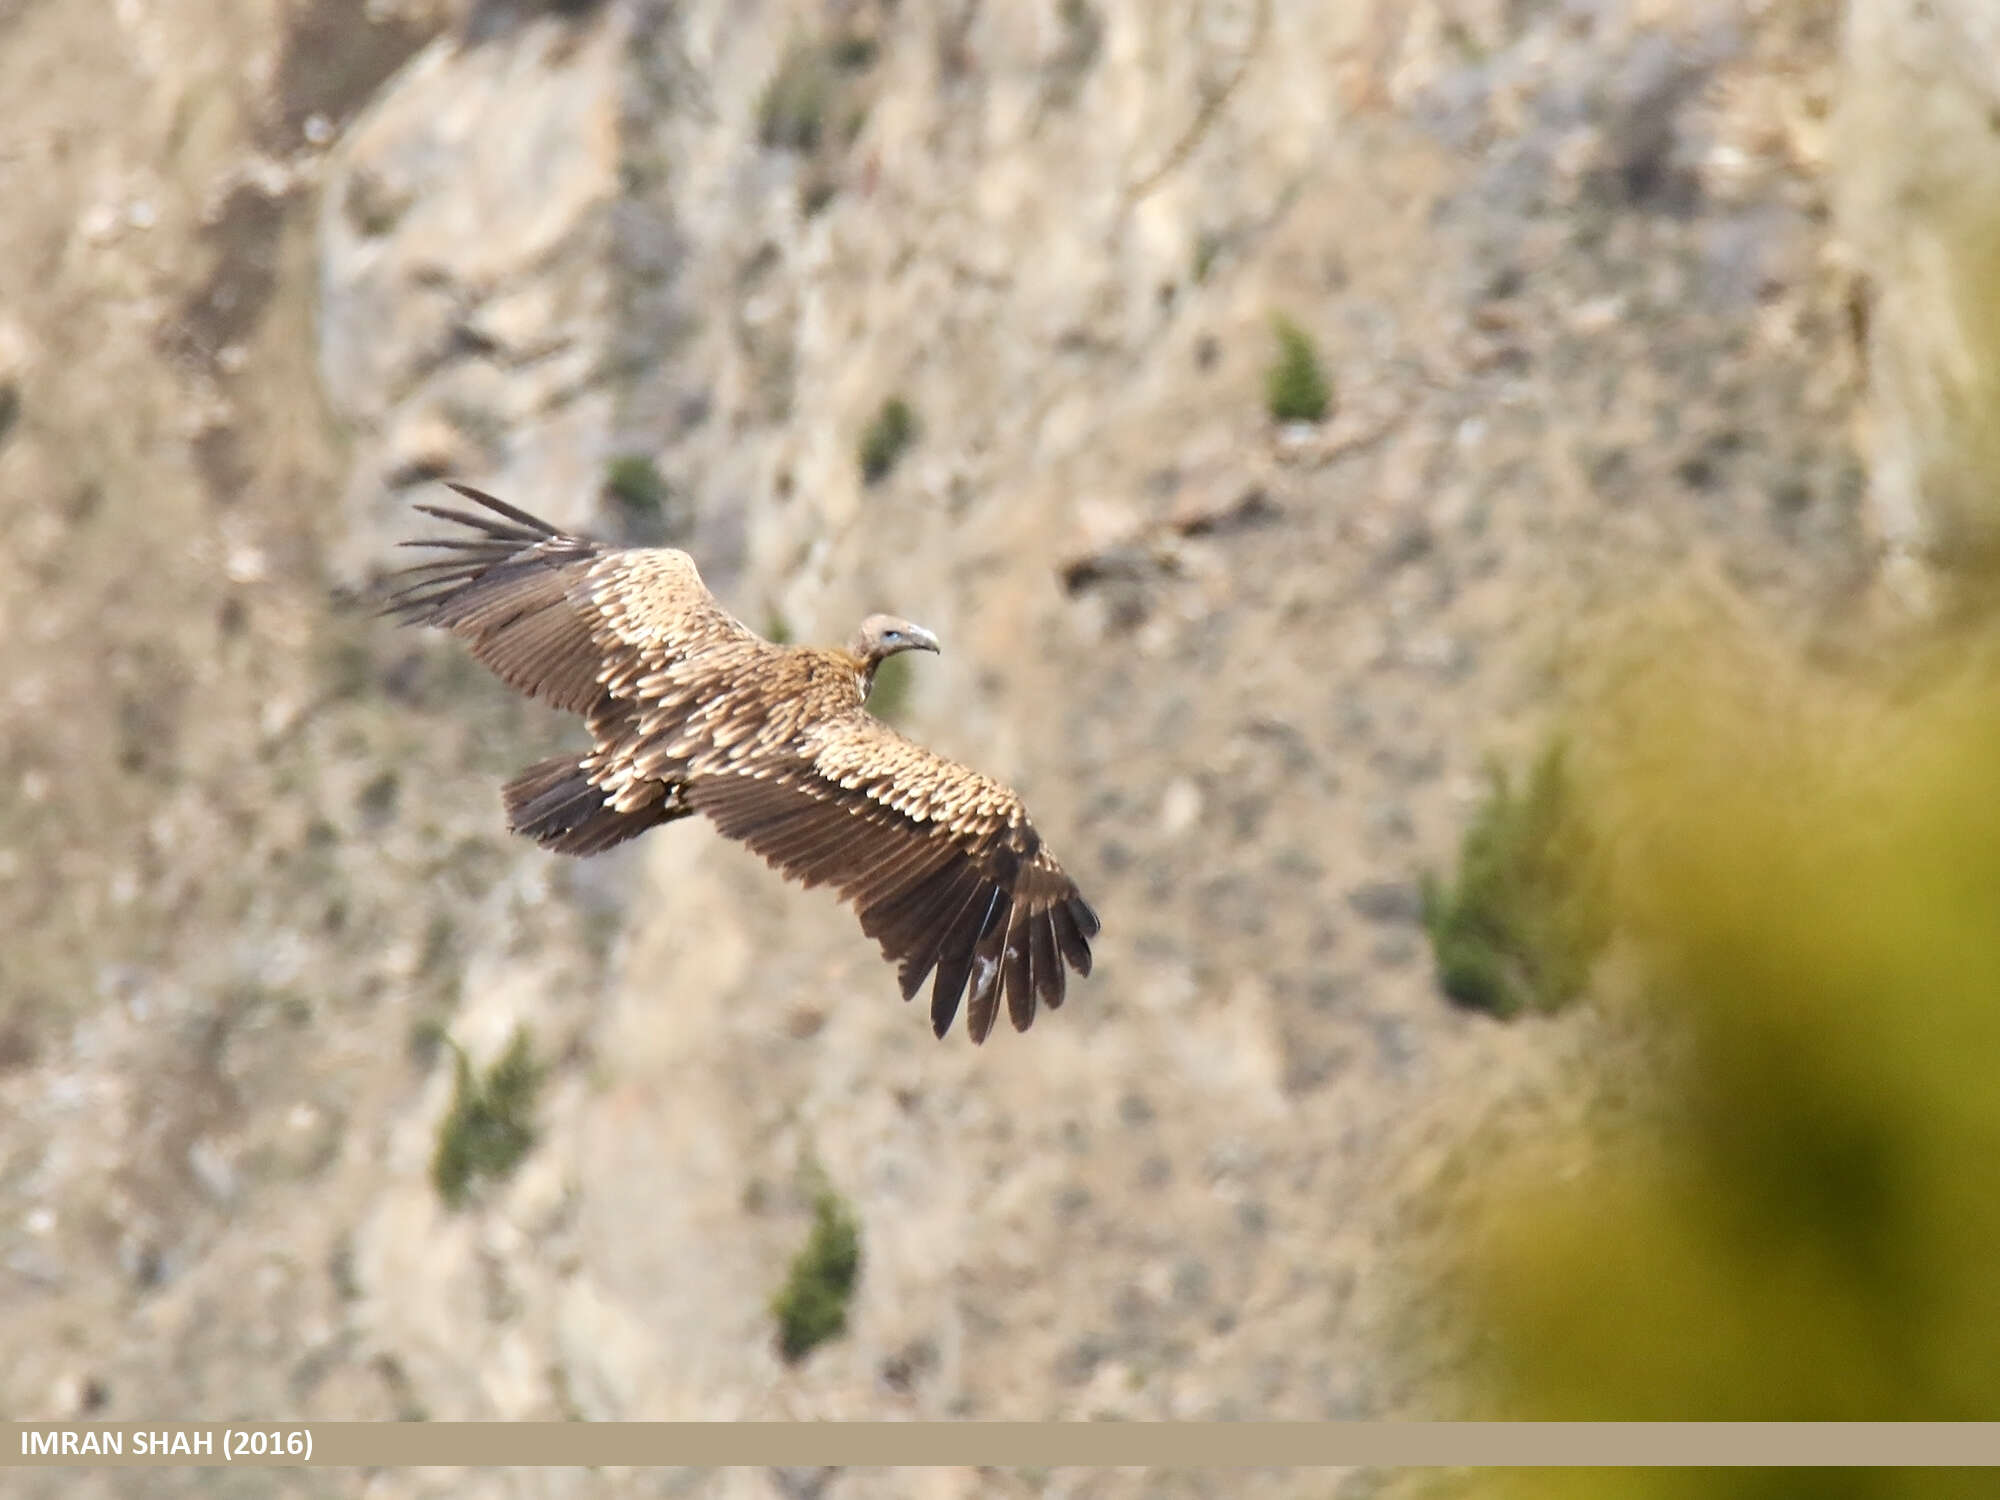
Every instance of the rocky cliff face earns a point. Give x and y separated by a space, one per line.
1920 223
1568 269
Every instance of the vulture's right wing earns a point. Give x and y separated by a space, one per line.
940 863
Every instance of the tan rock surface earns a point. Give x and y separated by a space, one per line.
1925 236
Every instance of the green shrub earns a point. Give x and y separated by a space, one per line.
883 444
490 1126
635 482
1800 1223
1295 389
1522 924
812 1307
852 51
890 694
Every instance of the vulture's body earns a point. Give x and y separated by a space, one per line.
691 712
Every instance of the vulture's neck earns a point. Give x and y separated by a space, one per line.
840 662
864 672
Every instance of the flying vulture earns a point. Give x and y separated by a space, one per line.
691 712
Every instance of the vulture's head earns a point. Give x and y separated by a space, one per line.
882 636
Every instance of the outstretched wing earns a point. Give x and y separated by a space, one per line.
940 863
558 617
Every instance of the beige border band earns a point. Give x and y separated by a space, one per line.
1001 1444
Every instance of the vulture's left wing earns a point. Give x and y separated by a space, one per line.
940 863
506 585
559 617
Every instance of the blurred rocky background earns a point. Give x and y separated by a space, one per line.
1267 401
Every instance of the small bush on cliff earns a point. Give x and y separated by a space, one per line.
490 1126
1520 927
1295 388
812 1307
635 482
891 693
887 437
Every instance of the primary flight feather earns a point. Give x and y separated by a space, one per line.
690 712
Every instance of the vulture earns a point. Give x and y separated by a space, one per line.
690 711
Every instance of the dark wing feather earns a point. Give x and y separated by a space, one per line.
558 617
941 864
508 590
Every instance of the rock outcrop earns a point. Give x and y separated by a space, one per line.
1919 181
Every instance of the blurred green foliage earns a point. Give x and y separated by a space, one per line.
1295 388
852 50
1806 1226
1730 1484
812 1307
490 1126
882 445
890 695
635 482
1522 924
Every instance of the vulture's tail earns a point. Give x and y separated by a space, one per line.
554 803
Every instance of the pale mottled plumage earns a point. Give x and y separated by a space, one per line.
691 712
